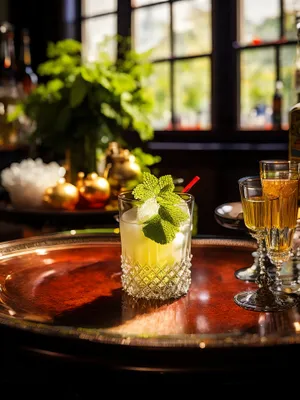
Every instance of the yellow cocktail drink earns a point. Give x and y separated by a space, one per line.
281 208
253 211
155 269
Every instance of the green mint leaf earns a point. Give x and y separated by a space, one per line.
164 224
173 214
140 192
151 182
147 189
159 230
168 198
166 184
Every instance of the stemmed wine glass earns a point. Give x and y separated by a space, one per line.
280 183
263 299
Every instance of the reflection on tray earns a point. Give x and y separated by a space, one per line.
153 317
283 323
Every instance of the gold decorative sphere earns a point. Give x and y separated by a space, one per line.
95 190
62 196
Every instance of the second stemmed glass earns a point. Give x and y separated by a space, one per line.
280 182
264 299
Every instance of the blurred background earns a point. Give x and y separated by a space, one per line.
115 87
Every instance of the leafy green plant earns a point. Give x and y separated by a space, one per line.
86 105
146 161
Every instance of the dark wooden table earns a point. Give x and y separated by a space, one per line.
66 321
36 222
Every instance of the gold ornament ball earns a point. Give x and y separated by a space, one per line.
62 196
95 190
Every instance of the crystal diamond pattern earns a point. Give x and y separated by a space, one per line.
158 282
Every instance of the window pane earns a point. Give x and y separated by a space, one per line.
192 27
138 3
94 7
257 87
260 21
290 19
152 30
192 94
287 61
160 84
94 31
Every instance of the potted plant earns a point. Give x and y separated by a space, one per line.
81 107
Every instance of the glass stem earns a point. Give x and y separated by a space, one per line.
264 293
261 255
277 280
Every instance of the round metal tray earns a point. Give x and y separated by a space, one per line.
62 295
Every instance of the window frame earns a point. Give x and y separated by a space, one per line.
225 75
277 45
173 58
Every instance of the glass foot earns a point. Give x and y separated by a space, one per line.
248 274
275 301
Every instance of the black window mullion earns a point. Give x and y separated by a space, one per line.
277 58
282 27
172 67
123 22
282 34
106 14
225 70
264 45
78 20
71 16
156 4
182 58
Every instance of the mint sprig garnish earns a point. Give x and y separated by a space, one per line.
172 214
159 230
168 198
163 226
148 189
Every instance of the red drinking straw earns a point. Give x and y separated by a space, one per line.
191 184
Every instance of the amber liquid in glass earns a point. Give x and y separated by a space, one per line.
280 213
253 210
